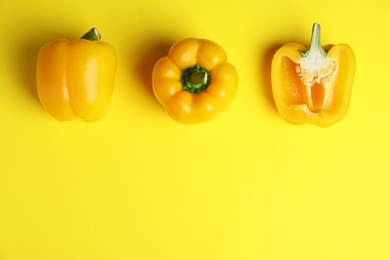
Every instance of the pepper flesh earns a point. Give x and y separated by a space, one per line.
313 85
76 78
194 82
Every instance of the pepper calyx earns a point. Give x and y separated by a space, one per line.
195 79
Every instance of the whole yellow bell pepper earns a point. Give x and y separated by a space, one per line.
194 82
76 78
313 86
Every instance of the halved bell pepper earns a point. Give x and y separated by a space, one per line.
313 85
76 78
194 82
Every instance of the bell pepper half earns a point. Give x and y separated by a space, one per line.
313 85
194 82
76 78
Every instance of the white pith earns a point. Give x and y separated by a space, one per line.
315 68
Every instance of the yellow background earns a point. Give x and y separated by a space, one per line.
245 186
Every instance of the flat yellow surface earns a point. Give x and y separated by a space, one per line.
246 186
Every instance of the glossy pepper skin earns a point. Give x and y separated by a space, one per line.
75 79
313 86
194 82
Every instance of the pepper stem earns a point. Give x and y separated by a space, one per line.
92 35
195 79
315 45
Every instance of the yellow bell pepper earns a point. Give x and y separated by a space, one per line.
76 78
194 82
313 86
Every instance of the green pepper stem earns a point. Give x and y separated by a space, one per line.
195 79
315 45
92 35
